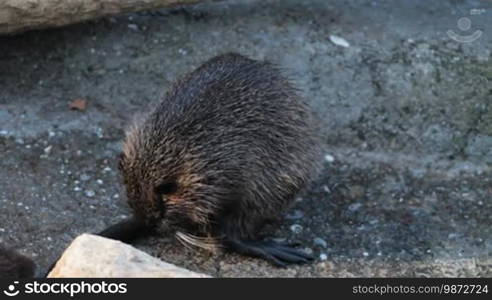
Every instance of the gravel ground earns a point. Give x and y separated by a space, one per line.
406 114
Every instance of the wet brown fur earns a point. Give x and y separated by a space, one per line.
227 150
15 265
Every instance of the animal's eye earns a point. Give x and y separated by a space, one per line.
166 188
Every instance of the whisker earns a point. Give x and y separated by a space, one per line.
207 243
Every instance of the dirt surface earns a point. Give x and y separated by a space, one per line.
406 114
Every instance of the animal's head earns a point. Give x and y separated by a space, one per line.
162 179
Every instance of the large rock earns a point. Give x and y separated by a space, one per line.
95 256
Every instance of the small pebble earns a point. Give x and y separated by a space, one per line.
99 181
296 228
320 242
354 206
308 250
365 254
84 177
77 189
329 158
323 257
47 150
99 133
339 41
90 193
295 215
133 27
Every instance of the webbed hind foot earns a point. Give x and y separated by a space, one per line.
279 254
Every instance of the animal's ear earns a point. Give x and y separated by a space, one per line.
166 188
121 160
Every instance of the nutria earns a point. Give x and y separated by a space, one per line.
224 153
15 265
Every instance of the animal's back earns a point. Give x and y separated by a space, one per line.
245 126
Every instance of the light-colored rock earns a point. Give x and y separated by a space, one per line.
320 242
94 256
339 41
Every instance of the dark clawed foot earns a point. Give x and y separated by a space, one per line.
279 254
126 230
289 244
